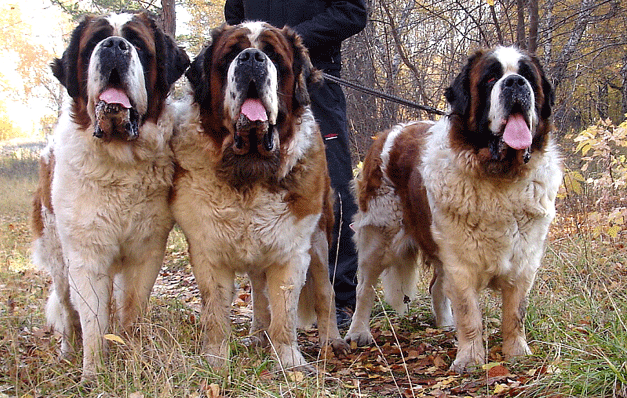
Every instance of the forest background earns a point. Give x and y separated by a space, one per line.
411 49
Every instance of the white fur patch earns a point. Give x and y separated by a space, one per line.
255 27
509 58
117 21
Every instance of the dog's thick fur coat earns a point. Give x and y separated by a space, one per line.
100 213
472 195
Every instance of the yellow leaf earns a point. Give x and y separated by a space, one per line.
490 3
213 390
114 338
571 182
490 365
613 231
499 388
295 376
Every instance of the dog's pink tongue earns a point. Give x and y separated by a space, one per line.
517 134
253 109
115 96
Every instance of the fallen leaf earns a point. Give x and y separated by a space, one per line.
498 370
115 338
499 388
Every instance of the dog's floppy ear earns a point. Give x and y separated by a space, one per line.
196 76
172 60
304 72
458 94
65 69
199 71
547 90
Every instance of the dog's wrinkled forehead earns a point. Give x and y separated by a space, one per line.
254 32
509 58
117 22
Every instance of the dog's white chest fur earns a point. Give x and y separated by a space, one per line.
486 223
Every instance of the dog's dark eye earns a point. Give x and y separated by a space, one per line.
491 80
139 46
272 54
231 55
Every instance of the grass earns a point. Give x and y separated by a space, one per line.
576 327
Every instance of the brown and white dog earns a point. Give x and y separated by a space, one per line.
251 190
100 213
473 195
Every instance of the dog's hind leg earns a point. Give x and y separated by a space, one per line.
400 280
261 309
440 304
323 295
371 249
60 313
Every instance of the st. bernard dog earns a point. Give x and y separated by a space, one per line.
100 213
251 190
472 195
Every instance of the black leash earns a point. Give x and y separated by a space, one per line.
380 94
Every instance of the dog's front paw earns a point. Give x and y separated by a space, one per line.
216 356
361 338
515 348
340 347
292 360
468 358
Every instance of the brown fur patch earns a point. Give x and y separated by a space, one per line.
308 182
371 176
42 196
403 172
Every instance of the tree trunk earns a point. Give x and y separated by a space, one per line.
561 64
548 26
623 73
168 17
533 26
520 26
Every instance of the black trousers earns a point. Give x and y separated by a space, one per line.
329 108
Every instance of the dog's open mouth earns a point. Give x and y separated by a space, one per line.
115 116
253 131
516 133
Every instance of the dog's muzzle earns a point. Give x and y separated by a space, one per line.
115 115
253 131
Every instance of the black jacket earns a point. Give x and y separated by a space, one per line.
322 24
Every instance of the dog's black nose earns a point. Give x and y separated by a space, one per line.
116 43
514 81
251 56
516 91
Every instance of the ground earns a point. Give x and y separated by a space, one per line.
575 327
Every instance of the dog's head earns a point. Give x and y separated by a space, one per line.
500 108
118 69
251 86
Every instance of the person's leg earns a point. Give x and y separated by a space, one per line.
329 107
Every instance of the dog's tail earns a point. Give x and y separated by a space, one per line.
400 283
306 305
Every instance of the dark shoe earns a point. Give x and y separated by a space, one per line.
343 316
